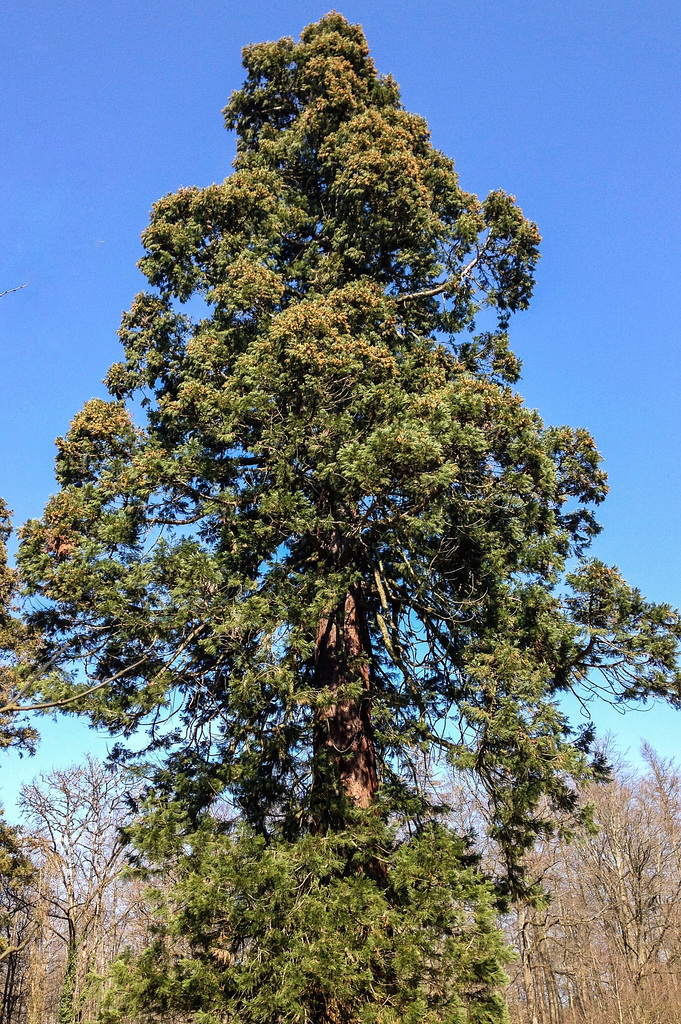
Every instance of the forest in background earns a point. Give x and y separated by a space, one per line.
603 947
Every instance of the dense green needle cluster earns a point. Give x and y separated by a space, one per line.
318 545
267 931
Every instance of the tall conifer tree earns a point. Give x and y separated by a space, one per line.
334 549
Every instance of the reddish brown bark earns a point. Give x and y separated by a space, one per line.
343 730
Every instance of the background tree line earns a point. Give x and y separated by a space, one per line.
604 946
67 908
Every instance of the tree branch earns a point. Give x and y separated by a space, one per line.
62 702
453 284
22 945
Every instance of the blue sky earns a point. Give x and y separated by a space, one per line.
573 107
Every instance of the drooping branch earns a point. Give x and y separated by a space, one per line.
14 706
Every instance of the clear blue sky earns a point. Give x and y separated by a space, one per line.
573 107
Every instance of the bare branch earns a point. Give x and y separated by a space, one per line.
10 290
22 945
451 285
427 294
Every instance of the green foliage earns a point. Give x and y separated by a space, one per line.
336 546
16 874
68 1012
18 651
349 926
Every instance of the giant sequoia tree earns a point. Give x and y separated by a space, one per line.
316 542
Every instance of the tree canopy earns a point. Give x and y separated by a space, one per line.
318 545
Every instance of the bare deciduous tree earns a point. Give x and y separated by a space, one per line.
606 945
76 815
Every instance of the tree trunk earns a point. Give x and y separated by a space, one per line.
345 756
524 931
9 998
68 1013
